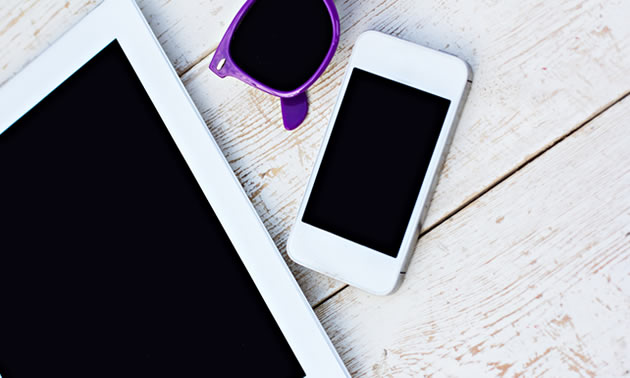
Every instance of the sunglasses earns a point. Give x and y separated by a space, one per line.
280 47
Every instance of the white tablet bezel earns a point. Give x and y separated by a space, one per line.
122 20
416 66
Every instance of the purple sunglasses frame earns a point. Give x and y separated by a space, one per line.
294 103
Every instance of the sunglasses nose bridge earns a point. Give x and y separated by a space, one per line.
294 110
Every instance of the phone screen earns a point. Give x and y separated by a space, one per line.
375 161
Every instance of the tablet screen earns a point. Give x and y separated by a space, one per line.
112 261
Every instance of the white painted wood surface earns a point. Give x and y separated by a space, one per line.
542 69
188 30
532 278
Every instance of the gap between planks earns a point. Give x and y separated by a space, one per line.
497 182
480 193
514 111
475 196
195 64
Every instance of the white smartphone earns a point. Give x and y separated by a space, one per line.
368 194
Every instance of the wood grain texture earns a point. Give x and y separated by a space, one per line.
188 30
28 27
541 69
531 279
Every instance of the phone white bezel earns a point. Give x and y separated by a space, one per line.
122 20
419 67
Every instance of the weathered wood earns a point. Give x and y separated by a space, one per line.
187 30
541 69
532 278
28 27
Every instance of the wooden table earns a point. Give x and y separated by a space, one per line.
523 267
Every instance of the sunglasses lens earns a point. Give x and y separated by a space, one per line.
282 43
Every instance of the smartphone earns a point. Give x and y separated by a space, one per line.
370 189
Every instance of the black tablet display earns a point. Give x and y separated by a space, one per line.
112 261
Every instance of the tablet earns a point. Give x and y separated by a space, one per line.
127 245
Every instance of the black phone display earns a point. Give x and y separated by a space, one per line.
375 161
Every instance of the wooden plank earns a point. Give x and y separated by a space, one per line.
28 27
517 105
187 30
541 69
532 278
